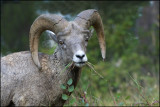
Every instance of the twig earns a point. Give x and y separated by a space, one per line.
145 99
94 70
139 86
112 96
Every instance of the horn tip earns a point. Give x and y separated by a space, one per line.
40 68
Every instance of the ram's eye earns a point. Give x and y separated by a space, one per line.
87 38
61 42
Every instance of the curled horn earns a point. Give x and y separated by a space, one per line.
89 18
44 22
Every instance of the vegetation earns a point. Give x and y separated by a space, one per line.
130 71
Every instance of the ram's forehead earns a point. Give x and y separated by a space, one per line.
72 29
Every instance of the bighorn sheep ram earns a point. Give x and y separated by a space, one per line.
30 78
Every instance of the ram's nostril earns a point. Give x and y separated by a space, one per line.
80 56
83 56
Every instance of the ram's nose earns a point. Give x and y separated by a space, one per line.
80 58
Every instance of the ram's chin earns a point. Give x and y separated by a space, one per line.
79 64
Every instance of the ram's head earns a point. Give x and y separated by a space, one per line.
72 37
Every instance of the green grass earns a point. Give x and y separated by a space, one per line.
47 51
131 97
131 93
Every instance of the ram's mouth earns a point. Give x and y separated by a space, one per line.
80 64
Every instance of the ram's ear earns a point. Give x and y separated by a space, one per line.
53 36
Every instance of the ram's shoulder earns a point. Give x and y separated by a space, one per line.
22 55
16 56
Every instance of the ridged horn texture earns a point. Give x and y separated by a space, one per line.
89 18
44 22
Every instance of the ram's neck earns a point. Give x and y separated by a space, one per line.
53 66
75 71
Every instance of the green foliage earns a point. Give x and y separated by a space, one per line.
16 21
70 81
64 97
72 101
71 88
86 104
121 104
63 86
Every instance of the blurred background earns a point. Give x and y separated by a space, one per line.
131 70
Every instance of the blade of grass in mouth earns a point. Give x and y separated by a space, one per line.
91 66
